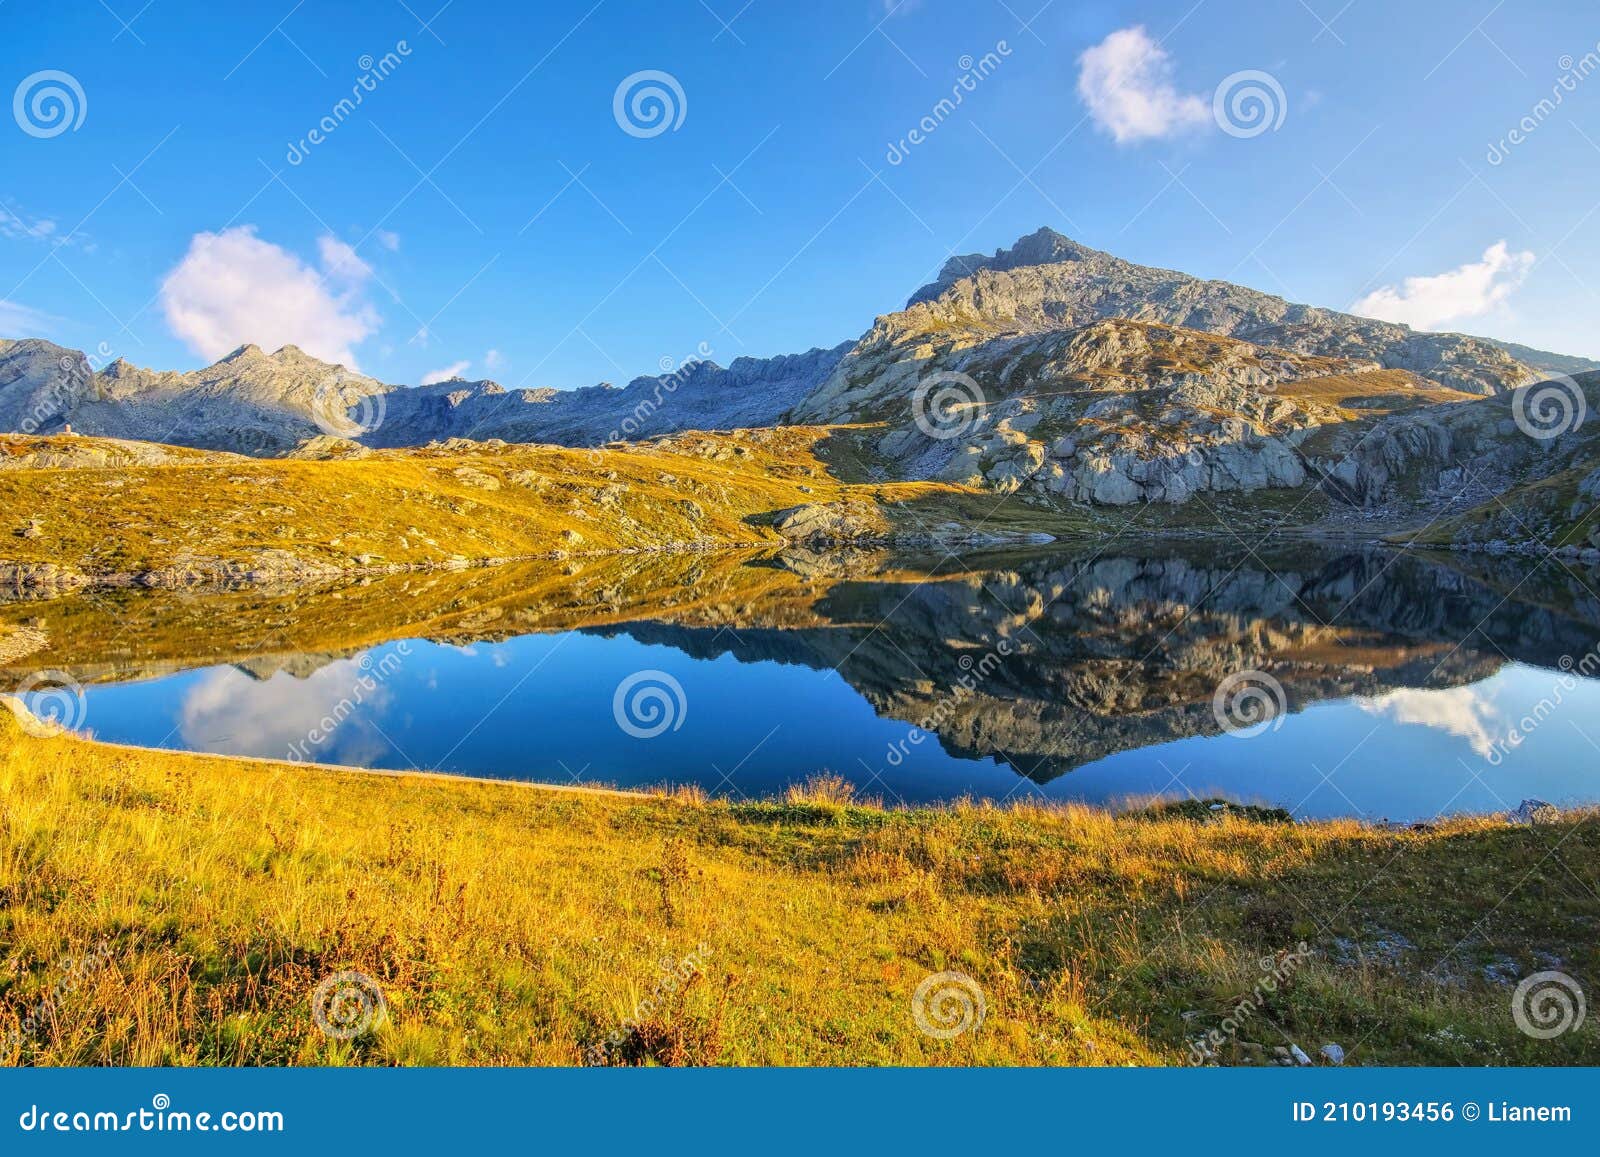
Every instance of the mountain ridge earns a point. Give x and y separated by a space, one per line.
1049 368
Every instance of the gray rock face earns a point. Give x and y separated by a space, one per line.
1061 370
249 402
1047 281
1113 413
700 395
40 383
268 404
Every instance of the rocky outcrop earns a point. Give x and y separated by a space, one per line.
819 524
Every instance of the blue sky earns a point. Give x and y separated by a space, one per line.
484 204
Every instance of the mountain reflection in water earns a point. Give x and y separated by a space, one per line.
998 676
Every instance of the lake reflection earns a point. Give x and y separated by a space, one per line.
1051 674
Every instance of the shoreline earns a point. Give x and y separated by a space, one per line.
11 702
1131 806
51 580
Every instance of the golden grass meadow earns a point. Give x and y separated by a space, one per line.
175 909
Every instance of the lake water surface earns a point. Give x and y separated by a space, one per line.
1361 682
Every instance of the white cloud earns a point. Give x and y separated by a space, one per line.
1470 290
16 223
1457 711
494 359
453 370
229 713
1126 81
18 320
340 261
390 241
232 288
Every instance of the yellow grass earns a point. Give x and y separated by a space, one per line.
172 909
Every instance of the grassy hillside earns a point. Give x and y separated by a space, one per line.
167 909
397 507
129 511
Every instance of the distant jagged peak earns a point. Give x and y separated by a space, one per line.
1044 246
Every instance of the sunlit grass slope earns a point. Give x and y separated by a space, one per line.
174 909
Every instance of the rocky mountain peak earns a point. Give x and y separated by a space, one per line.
1044 246
246 352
